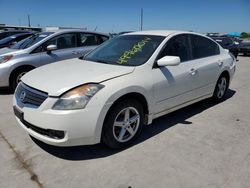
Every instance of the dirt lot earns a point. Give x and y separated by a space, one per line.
204 145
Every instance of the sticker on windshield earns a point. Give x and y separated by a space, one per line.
135 49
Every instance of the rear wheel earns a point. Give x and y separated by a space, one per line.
123 124
16 77
221 88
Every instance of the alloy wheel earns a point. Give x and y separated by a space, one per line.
221 87
126 124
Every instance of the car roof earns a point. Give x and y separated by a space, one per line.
78 30
15 31
159 32
20 34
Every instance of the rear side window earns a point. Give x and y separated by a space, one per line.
177 46
89 39
203 47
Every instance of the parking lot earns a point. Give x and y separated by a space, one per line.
203 145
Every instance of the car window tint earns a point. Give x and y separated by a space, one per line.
63 41
88 39
104 38
203 47
177 46
66 41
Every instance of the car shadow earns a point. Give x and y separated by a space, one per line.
159 125
5 91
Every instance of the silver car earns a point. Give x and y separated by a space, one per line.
44 48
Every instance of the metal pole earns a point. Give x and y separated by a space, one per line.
141 18
29 20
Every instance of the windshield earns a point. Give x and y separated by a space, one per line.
7 39
127 50
23 44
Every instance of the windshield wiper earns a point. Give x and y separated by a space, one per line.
101 61
97 60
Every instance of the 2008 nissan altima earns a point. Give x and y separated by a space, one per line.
122 85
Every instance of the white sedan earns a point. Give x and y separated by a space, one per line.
124 84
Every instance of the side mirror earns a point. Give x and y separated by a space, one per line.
169 61
50 48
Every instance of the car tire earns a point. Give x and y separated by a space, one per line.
16 76
123 124
221 88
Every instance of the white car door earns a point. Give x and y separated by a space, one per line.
175 85
207 61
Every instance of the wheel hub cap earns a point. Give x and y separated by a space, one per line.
222 86
126 124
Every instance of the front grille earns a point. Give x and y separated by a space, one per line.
27 95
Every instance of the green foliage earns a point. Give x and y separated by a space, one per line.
245 35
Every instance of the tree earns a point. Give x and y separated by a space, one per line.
244 35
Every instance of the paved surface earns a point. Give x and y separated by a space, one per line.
204 145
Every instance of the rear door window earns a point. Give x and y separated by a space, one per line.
203 47
89 39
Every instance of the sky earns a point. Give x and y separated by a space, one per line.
124 15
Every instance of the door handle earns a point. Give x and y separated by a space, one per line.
193 71
220 63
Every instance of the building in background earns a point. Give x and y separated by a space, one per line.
5 27
55 28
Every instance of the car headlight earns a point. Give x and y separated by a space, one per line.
77 98
5 58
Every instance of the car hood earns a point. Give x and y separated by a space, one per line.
9 51
57 78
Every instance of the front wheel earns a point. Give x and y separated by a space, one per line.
123 124
221 88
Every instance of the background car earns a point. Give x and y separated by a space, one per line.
120 86
44 48
228 43
4 34
13 39
244 47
